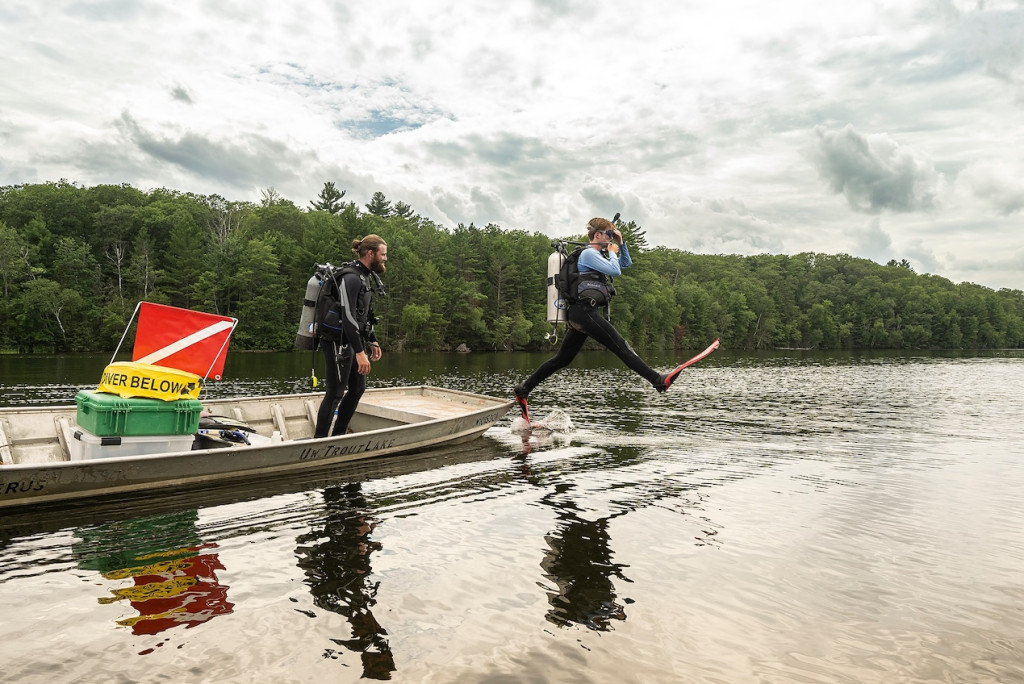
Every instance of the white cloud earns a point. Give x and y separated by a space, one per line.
710 124
871 242
999 183
181 94
874 172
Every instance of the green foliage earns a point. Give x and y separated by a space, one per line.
329 199
379 205
14 258
74 261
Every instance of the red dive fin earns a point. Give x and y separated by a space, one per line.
670 377
524 408
520 393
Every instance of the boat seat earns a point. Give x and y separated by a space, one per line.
390 413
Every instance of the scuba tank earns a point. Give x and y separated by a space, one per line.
556 304
306 333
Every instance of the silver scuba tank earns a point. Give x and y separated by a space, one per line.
306 332
556 305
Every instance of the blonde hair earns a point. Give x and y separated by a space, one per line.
370 243
598 225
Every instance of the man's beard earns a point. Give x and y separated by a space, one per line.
377 266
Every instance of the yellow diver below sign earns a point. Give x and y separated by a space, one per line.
132 379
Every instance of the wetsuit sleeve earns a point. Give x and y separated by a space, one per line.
371 335
592 260
624 260
350 287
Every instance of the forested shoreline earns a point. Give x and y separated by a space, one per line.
76 260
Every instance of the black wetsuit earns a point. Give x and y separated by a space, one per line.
344 382
584 320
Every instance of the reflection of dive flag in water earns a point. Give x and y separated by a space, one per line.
173 573
176 587
191 341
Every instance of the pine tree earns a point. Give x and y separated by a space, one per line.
379 205
402 210
329 199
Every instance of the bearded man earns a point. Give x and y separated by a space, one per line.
348 362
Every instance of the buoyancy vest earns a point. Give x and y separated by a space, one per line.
363 312
333 309
590 287
595 288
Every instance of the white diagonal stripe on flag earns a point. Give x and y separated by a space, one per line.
184 342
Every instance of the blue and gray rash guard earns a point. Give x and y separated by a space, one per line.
593 260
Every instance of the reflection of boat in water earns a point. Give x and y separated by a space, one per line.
36 465
173 573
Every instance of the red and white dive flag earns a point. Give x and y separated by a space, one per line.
188 340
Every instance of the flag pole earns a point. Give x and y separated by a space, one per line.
125 334
234 323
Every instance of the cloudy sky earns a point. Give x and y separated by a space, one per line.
878 129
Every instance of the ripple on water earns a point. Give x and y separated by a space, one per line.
783 521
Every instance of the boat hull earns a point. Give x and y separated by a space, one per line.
390 421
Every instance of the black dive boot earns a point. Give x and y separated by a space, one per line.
666 380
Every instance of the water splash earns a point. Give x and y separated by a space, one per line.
558 421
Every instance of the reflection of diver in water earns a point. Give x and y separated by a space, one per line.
175 581
340 577
579 562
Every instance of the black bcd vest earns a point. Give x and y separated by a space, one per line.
330 308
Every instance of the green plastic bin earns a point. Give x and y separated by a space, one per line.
108 415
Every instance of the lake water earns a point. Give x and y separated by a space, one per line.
784 517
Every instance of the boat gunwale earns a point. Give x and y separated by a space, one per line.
14 410
10 468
